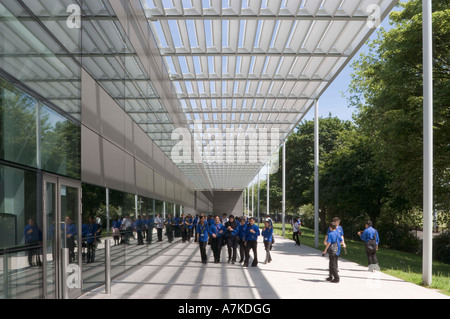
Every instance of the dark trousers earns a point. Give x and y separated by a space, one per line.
241 250
334 267
202 245
149 235
296 238
184 234
140 237
232 248
372 257
169 231
216 246
90 252
251 245
268 248
159 231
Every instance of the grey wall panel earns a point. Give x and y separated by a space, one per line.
112 120
130 174
230 203
90 102
150 181
170 190
91 157
160 184
114 166
129 134
142 180
140 144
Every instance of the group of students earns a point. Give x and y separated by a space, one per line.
335 239
233 232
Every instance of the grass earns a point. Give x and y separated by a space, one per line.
406 266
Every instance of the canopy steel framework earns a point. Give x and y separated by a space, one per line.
256 64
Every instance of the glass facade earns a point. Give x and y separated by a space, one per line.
45 209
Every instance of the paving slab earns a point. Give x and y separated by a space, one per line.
296 272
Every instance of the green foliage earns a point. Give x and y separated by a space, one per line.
441 247
387 90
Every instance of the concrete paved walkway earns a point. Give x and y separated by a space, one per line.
295 273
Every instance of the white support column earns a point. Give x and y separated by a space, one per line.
268 187
136 206
257 198
253 197
316 173
107 212
283 200
427 143
164 210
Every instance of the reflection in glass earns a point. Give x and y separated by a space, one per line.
20 234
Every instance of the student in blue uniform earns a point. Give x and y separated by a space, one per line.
70 231
217 231
370 237
138 226
170 223
231 239
251 241
194 226
267 234
240 231
190 227
89 232
33 237
333 241
202 237
150 225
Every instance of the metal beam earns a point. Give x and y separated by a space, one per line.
164 53
159 17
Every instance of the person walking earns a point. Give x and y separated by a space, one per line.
231 239
267 234
150 225
372 240
241 230
333 248
251 241
202 237
159 226
296 232
170 224
217 231
90 233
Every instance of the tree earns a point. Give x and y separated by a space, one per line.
387 90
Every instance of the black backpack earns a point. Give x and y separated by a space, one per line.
333 249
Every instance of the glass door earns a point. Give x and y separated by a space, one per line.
62 243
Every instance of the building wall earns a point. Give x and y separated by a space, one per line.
228 202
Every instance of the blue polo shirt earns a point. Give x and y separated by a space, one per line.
334 237
250 236
339 229
240 231
203 231
216 228
369 234
267 234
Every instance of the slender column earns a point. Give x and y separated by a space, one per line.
283 200
316 173
268 187
427 143
257 204
107 212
